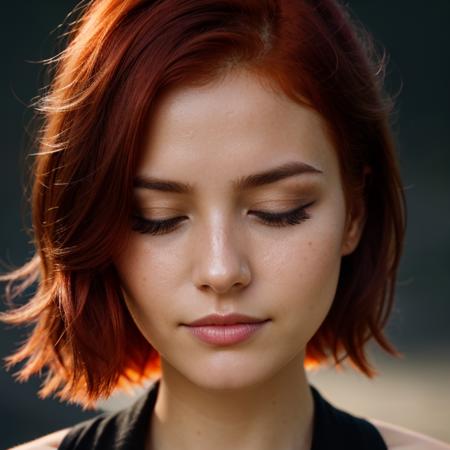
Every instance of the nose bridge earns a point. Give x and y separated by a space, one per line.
221 259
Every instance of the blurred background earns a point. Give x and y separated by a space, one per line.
414 391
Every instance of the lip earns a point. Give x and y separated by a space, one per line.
227 319
225 330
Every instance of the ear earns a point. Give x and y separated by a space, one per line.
356 219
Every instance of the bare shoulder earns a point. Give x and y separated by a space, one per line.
47 442
400 438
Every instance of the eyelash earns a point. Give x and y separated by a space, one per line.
158 227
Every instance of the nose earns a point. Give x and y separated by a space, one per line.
221 263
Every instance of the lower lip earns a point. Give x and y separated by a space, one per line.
225 334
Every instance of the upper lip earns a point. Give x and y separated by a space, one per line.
228 319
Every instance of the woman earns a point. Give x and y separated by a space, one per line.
216 205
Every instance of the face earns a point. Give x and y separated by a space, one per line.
271 250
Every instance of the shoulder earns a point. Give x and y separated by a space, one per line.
95 432
101 431
48 442
399 438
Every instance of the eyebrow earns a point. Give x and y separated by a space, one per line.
255 180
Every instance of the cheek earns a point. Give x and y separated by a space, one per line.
144 282
309 269
304 270
144 268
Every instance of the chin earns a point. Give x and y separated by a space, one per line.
226 382
229 372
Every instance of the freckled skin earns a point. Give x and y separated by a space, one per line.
223 259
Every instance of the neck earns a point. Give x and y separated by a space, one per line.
275 413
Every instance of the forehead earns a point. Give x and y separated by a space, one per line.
230 128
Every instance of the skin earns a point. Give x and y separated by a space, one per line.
222 258
396 438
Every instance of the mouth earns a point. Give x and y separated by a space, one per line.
228 319
225 334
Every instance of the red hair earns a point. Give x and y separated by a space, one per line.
121 56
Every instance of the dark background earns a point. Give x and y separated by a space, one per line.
416 36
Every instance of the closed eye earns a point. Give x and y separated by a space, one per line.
291 217
273 219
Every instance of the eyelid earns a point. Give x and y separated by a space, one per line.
259 213
278 210
273 219
139 212
155 208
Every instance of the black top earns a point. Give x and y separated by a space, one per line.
126 429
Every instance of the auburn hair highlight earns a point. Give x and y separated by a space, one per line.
121 56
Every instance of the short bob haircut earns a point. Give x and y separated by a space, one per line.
120 57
